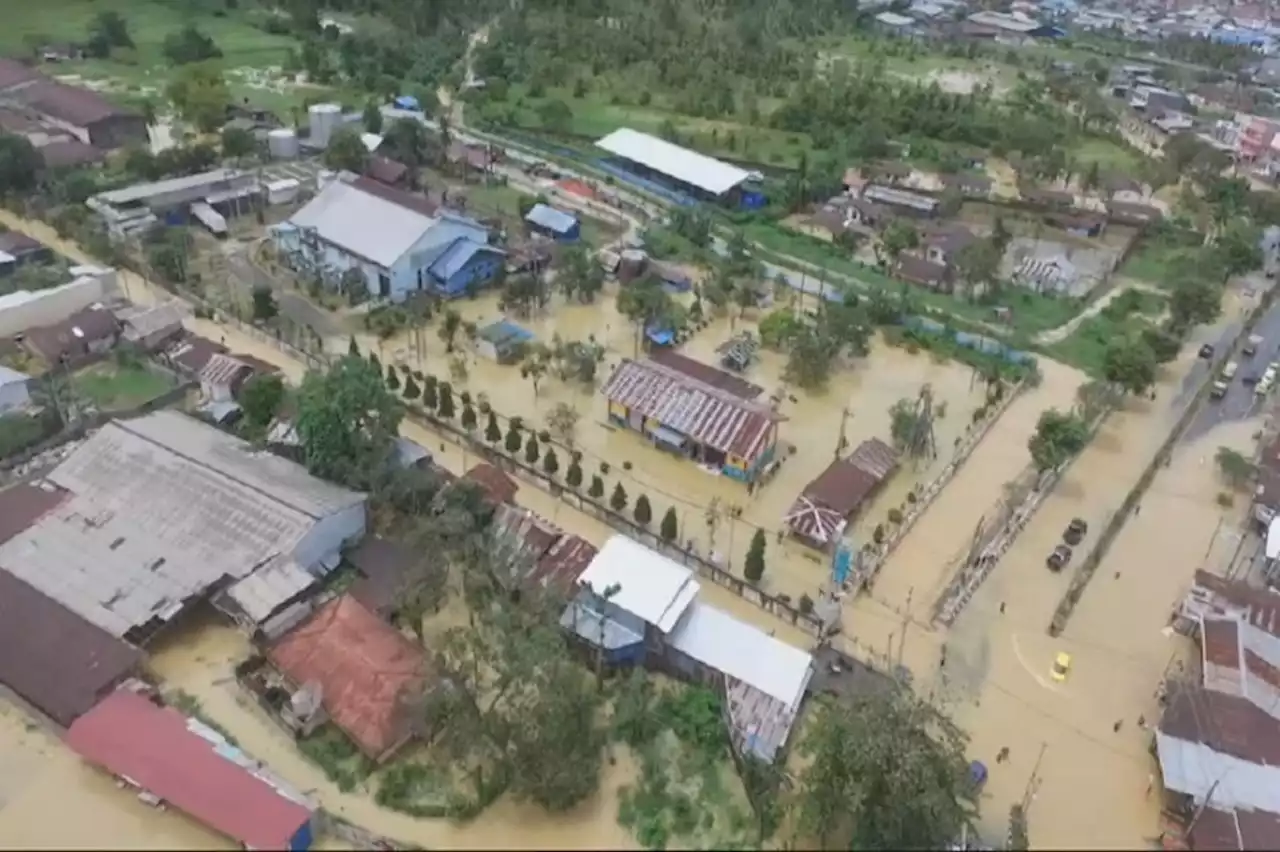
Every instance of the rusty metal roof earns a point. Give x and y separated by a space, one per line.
371 676
702 412
821 509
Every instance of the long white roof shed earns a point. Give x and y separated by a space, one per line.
649 585
706 173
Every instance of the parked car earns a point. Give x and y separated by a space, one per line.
1059 558
1206 351
1061 667
1075 531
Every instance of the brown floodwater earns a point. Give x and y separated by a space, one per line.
997 683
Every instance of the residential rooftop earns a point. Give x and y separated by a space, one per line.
161 509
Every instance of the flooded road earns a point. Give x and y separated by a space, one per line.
996 676
996 680
50 799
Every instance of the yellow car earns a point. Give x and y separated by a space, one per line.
1061 667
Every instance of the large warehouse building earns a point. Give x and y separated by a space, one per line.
695 175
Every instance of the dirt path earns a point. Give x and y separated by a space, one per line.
1122 285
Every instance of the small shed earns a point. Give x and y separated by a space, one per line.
672 276
503 341
819 515
547 220
15 392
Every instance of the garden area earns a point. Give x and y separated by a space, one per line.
119 384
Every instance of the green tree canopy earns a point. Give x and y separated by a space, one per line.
347 421
346 150
1130 363
884 770
1058 437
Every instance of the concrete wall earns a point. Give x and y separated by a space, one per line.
46 307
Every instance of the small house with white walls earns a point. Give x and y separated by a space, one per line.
634 606
399 242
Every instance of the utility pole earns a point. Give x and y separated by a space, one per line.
1033 782
906 617
1203 806
843 441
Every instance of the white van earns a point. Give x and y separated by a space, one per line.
1229 371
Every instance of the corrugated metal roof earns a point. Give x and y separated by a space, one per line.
548 217
178 760
222 370
706 173
821 510
651 586
455 258
362 223
371 676
270 587
52 657
746 653
162 510
708 415
143 191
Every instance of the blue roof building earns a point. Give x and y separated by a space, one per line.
557 224
397 241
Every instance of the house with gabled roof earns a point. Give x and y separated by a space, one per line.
636 607
694 418
397 241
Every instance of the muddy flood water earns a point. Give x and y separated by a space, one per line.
1092 787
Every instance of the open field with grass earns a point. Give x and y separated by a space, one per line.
111 386
1128 314
141 72
1110 156
604 108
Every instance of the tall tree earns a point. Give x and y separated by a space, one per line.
1130 363
347 421
670 528
260 399
883 770
1058 437
753 568
346 150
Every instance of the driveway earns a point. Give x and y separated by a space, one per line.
293 305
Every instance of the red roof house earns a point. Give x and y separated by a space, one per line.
372 678
175 759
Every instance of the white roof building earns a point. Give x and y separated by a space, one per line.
764 679
650 585
744 652
690 167
163 508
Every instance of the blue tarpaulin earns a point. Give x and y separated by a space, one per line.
660 336
408 102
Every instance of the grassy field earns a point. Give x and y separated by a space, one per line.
1133 311
141 71
599 112
112 386
1109 156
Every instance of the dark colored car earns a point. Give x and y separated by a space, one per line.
1059 558
1206 351
1075 531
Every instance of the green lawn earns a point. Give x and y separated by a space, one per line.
1133 311
142 71
110 386
596 114
1110 156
